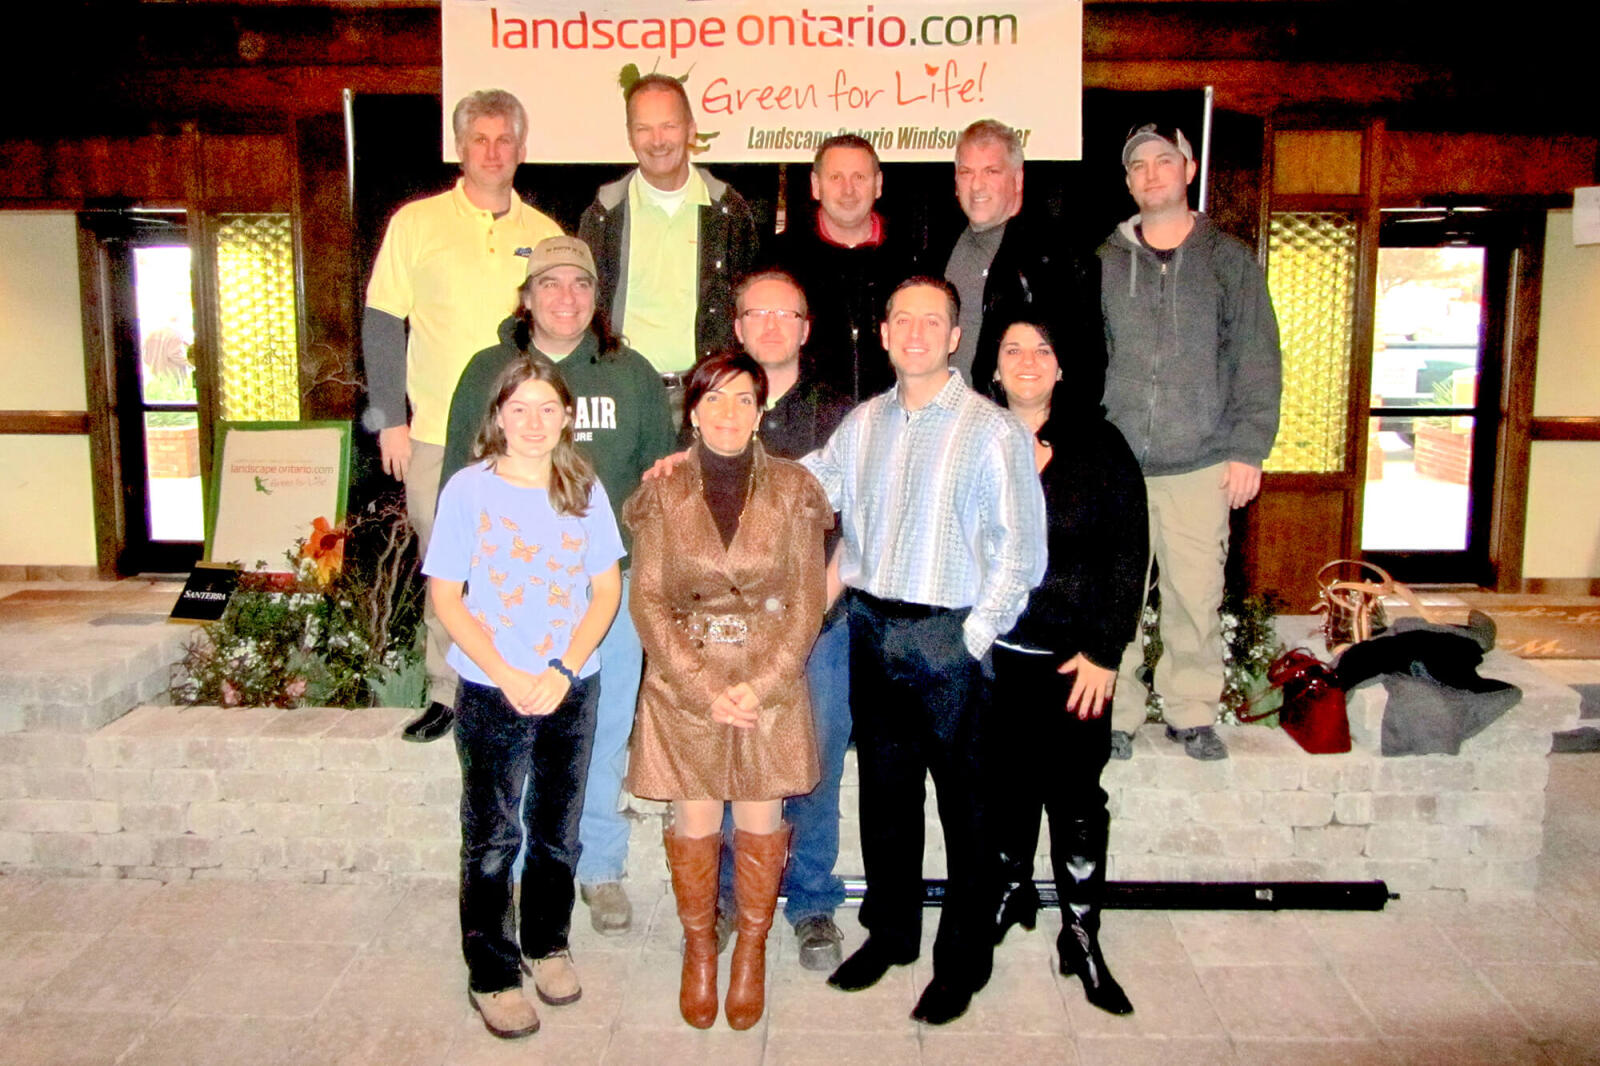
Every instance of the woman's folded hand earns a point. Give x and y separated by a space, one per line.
737 706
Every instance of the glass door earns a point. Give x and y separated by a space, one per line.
1435 395
146 273
168 401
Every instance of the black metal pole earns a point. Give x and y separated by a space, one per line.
1201 895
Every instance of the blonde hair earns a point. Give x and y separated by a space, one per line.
571 475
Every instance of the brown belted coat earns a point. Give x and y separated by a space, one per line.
710 617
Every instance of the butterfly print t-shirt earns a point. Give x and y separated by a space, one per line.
527 568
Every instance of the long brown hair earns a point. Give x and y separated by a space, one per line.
571 476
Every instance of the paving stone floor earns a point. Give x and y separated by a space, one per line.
140 973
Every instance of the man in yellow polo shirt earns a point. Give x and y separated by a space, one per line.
669 247
449 267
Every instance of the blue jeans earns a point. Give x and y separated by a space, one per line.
810 886
602 830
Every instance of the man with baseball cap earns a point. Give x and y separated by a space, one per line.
446 269
1193 382
621 424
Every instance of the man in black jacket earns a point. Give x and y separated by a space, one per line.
1003 271
847 260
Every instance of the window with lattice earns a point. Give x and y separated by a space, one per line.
258 363
1311 273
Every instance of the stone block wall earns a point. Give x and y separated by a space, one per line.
335 795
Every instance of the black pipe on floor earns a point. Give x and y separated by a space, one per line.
1201 895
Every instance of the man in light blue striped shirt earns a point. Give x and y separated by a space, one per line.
943 538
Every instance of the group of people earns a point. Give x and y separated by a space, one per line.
863 491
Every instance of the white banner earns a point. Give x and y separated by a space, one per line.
769 80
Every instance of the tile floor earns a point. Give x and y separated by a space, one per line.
207 972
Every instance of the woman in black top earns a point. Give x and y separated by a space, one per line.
1055 670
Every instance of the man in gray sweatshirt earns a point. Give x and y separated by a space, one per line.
1193 382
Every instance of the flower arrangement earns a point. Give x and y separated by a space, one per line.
339 629
1249 644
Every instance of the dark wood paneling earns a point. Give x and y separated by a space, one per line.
1234 200
1429 166
99 363
1565 428
1561 586
1294 531
149 170
65 423
247 172
1261 86
1359 407
325 257
274 94
1323 162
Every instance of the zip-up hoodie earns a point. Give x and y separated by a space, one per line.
1194 372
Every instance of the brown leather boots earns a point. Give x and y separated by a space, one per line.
758 862
758 870
694 882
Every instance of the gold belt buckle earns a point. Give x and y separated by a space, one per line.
726 629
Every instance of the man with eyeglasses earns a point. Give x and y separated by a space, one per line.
1193 382
773 323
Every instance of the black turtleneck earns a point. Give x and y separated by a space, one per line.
726 482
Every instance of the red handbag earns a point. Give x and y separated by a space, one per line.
1313 710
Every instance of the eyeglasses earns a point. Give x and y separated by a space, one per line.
770 314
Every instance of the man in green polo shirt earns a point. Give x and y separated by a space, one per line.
448 268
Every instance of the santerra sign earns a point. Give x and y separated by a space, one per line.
770 81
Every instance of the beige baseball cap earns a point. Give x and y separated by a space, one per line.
554 252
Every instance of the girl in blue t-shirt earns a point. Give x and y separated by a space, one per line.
523 572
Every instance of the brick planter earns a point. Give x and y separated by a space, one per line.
1442 453
173 451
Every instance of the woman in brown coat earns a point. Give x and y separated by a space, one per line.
728 595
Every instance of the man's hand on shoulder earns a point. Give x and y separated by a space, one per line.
1241 482
664 466
394 447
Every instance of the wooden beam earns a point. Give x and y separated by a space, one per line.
62 423
1509 530
1568 428
99 366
